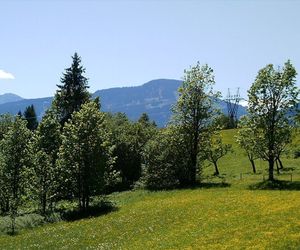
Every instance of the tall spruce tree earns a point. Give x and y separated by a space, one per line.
30 116
72 93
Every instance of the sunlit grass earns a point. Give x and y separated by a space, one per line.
217 218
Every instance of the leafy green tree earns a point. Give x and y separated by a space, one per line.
129 139
46 144
223 121
6 121
73 91
246 138
194 112
166 159
272 97
15 166
30 116
85 155
215 150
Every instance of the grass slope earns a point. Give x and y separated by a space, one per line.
214 217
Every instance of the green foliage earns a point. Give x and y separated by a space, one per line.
129 139
6 121
162 160
73 91
30 117
194 112
272 97
46 144
215 149
246 139
223 121
85 154
15 167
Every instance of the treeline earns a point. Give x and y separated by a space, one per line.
77 151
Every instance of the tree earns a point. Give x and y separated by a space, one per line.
15 166
129 139
246 138
73 91
6 121
194 112
46 144
272 97
30 116
85 154
215 150
166 159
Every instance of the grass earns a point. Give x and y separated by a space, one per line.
215 218
234 212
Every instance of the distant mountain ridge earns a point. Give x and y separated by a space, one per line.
9 97
155 97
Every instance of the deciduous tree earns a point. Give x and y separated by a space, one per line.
194 112
15 166
85 155
272 97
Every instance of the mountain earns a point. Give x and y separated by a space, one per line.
8 97
40 105
155 98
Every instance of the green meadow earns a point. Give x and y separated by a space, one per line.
229 212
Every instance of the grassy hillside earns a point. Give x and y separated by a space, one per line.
214 216
217 218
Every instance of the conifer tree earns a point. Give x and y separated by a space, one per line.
30 116
72 93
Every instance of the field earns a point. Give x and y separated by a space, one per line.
223 213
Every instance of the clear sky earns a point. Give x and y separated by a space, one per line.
127 43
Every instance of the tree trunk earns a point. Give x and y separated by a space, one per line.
271 169
192 174
44 203
280 163
277 168
216 169
253 166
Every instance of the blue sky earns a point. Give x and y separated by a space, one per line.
127 43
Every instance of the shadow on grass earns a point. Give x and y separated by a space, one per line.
102 208
207 185
276 185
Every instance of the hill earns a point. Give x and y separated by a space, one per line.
9 97
155 98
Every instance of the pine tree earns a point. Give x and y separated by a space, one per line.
30 116
73 91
